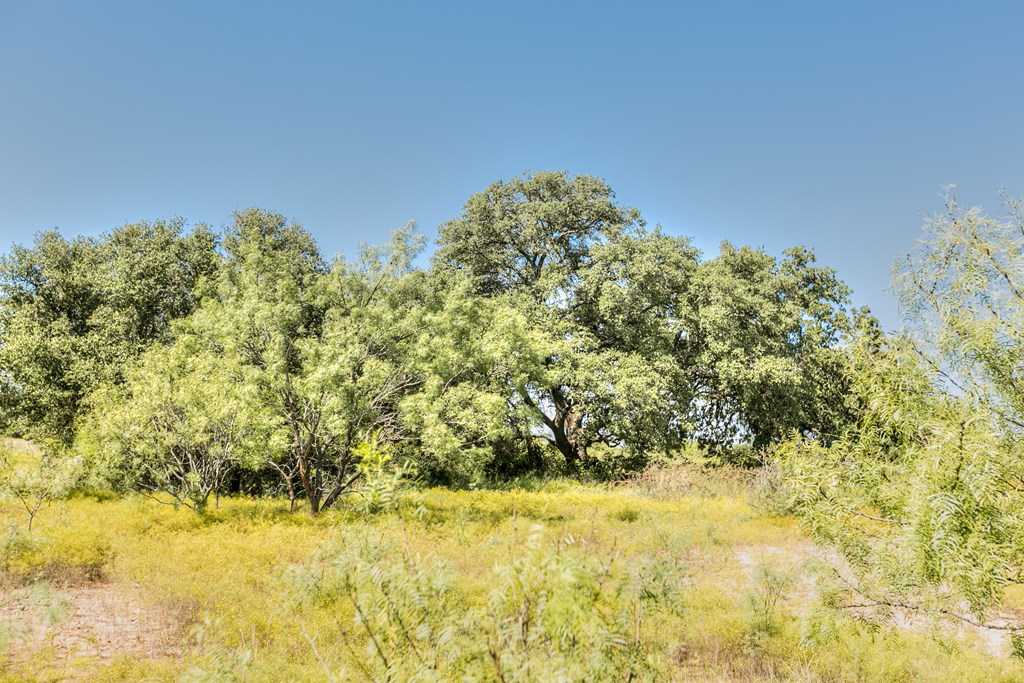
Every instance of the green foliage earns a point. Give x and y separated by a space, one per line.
466 353
554 613
263 308
383 482
531 242
762 347
218 664
288 365
962 288
923 495
638 345
39 483
73 314
552 322
764 601
225 394
916 497
558 614
532 234
184 420
399 611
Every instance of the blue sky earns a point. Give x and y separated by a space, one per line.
829 124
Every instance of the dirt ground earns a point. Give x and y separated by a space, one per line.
81 624
17 445
800 592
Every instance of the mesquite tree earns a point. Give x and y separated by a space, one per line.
925 495
185 419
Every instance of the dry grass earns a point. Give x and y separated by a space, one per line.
221 595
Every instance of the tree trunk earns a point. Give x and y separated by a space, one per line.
312 491
567 428
564 446
302 449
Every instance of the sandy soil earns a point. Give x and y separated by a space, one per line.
85 623
802 590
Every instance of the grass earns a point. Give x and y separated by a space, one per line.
674 576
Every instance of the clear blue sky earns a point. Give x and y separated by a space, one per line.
828 124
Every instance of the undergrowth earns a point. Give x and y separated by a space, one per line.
672 576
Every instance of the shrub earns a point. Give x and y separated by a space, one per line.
64 558
554 612
36 486
383 481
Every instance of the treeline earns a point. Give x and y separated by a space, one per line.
553 329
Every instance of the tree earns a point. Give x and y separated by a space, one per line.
924 493
596 291
609 374
406 363
761 347
532 234
963 288
260 316
639 344
185 418
73 314
292 365
37 485
354 373
459 423
226 389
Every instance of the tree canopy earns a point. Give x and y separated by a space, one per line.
642 344
552 326
923 493
75 313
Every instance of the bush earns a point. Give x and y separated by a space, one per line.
36 486
383 481
554 612
63 558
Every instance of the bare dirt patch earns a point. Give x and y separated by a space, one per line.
802 589
18 445
94 622
795 566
